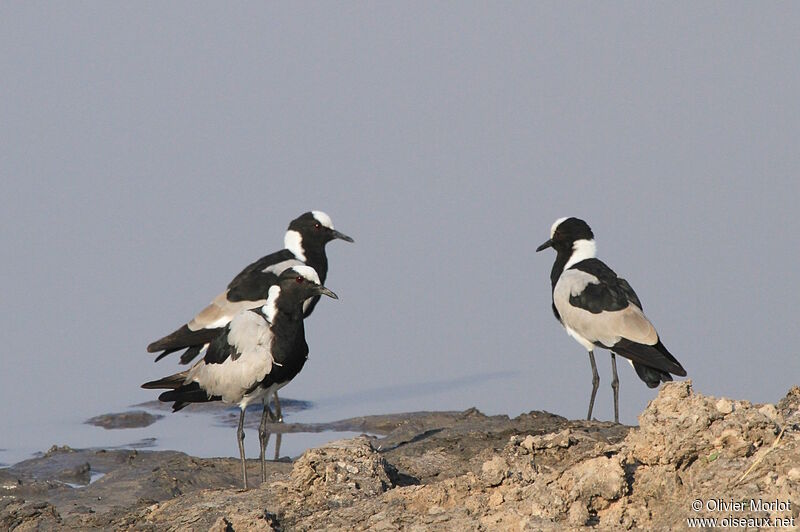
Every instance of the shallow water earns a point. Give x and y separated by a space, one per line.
208 430
199 430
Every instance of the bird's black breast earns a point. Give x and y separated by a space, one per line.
253 283
289 349
317 259
610 294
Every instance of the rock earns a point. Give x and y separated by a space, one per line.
562 440
124 420
578 514
596 478
496 499
341 471
724 406
494 471
256 521
679 427
21 516
769 411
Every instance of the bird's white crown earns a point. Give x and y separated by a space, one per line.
308 272
323 218
555 225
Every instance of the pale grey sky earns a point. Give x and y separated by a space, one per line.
149 151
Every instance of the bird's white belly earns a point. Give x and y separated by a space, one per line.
231 379
260 394
578 338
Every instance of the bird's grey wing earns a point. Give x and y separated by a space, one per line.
221 311
247 335
599 325
608 327
237 360
248 290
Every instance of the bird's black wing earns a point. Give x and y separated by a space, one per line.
629 293
219 350
181 339
253 282
606 295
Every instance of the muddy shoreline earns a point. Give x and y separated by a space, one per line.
437 471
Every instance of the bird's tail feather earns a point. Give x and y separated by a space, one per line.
190 354
655 357
171 382
189 393
651 376
165 353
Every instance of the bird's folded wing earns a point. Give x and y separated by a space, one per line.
253 282
221 311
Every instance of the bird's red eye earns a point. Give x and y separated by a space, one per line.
299 279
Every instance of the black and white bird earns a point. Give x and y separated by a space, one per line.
304 243
255 355
599 309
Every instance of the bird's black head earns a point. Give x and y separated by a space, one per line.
565 232
311 231
299 283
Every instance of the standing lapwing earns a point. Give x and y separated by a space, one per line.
304 243
255 355
599 309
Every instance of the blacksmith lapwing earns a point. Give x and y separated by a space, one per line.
255 355
599 309
304 243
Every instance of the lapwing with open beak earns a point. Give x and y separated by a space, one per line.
599 309
256 354
304 243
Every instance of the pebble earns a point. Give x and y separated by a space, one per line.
724 406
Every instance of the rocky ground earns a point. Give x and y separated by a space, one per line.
447 471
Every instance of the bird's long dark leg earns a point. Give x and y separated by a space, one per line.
278 416
240 437
615 386
263 438
278 438
595 385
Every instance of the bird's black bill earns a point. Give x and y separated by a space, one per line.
324 291
342 236
546 245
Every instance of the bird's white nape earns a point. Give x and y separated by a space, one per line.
581 250
555 225
323 218
269 308
293 241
